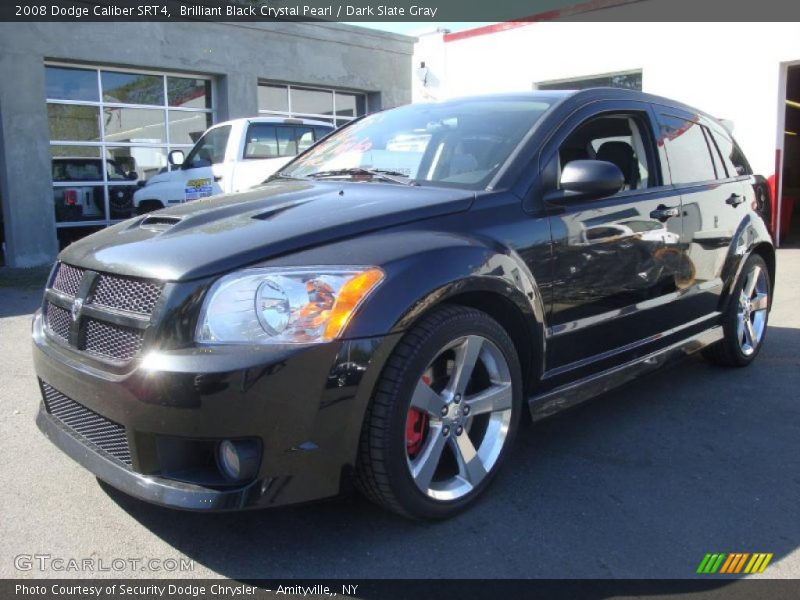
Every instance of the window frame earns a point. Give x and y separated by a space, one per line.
102 144
336 120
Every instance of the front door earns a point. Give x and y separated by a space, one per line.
618 265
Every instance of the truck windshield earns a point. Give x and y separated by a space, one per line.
209 149
460 143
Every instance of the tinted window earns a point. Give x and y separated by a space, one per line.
687 150
132 88
621 139
734 160
71 84
210 150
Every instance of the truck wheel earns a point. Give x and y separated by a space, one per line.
745 320
147 206
444 413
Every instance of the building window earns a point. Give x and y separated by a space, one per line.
111 129
331 106
631 80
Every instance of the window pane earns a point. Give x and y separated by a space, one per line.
71 84
715 157
261 141
305 138
143 161
74 152
130 88
287 142
134 125
273 97
67 235
210 150
320 132
73 123
349 105
187 127
189 93
312 101
687 151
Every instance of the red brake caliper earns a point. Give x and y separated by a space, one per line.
416 427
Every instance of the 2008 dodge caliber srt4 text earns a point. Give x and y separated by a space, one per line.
387 308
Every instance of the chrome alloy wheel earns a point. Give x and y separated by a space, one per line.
752 313
459 417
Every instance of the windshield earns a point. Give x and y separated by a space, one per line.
459 143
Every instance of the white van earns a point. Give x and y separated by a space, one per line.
230 157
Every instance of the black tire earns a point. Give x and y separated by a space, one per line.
728 352
382 472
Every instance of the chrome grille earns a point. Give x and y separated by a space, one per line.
68 279
112 342
58 321
125 293
105 435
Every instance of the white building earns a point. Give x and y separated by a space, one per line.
740 72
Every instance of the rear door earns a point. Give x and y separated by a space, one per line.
714 201
616 260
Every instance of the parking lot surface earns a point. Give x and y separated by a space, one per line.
642 482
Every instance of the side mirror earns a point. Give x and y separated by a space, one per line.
588 179
176 158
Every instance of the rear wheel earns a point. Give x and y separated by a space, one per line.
745 320
445 411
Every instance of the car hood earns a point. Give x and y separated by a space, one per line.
216 234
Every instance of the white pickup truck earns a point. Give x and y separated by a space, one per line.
229 157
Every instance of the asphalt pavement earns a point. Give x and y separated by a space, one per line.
639 483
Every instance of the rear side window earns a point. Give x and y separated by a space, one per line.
688 150
265 140
734 160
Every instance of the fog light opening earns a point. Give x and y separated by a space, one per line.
238 459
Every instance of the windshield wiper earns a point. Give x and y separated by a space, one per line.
384 174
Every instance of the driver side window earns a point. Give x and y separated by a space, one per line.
616 138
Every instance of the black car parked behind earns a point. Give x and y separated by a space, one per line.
386 309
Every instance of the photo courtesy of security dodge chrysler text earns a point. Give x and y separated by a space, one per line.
382 312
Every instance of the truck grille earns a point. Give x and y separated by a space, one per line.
105 435
112 312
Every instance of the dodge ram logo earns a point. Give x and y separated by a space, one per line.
76 308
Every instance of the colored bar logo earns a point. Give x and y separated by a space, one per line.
734 562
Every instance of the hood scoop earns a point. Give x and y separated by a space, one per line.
159 222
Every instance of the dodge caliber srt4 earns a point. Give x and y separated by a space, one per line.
384 310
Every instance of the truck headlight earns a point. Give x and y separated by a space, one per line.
284 306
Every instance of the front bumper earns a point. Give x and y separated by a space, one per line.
305 404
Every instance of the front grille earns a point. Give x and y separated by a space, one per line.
106 333
112 342
125 293
105 435
68 279
58 320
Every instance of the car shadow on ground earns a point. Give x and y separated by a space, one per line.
641 482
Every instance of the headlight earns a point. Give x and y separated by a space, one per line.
284 306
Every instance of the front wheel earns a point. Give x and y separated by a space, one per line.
745 320
443 416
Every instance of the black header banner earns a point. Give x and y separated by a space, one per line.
397 10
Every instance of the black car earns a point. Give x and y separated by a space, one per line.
385 310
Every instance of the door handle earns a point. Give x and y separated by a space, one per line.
662 213
217 177
735 200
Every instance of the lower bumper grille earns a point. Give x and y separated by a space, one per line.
105 435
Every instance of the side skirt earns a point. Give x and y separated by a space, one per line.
573 393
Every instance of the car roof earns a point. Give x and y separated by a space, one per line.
585 95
